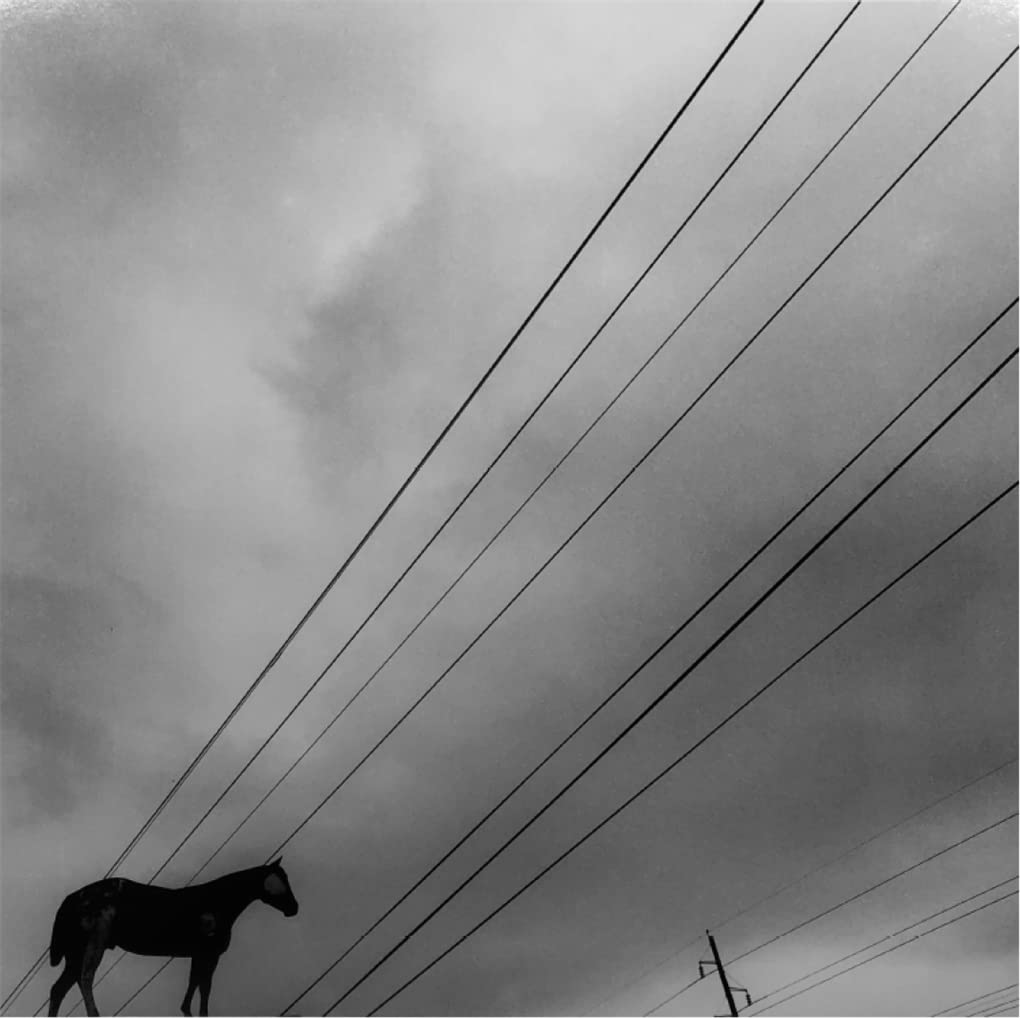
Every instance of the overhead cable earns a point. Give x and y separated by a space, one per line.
874 887
679 629
569 452
818 869
888 950
725 635
710 734
890 936
973 1000
788 300
442 527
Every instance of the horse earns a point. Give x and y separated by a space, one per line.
190 922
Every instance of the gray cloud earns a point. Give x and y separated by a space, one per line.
255 254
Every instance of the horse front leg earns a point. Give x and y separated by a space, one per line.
205 983
192 986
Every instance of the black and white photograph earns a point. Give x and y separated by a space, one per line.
509 507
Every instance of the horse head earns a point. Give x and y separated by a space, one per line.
276 889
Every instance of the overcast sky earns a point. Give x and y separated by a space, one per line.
255 254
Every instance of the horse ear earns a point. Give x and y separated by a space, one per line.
275 864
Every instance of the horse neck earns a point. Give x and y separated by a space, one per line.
233 893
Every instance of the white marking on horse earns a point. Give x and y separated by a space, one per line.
275 886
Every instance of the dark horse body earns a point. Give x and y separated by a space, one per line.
190 922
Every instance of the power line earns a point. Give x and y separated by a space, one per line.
361 689
888 950
775 314
560 548
453 420
669 689
1002 1008
973 1000
581 438
669 1000
799 880
887 937
336 789
725 721
995 1006
874 887
421 463
24 980
584 349
676 632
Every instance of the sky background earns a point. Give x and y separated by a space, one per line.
254 256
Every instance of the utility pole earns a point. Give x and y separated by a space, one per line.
727 989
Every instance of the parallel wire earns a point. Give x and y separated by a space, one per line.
725 721
477 483
547 477
874 887
1007 1007
801 879
588 430
831 633
818 267
676 632
847 901
442 435
888 950
973 1000
24 980
562 546
718 180
421 463
882 940
994 1006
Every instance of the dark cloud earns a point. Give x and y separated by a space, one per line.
254 256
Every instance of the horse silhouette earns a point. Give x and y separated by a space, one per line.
189 922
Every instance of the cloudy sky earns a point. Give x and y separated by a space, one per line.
255 254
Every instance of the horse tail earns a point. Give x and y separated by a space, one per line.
61 922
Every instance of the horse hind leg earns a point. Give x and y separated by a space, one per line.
90 962
66 979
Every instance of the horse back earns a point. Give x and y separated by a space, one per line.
141 918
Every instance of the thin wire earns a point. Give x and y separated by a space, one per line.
453 420
785 887
675 633
973 1000
669 1000
555 386
442 435
581 438
995 1003
993 1007
818 869
874 887
683 756
882 940
1008 1006
888 950
421 463
817 268
143 986
24 980
657 443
